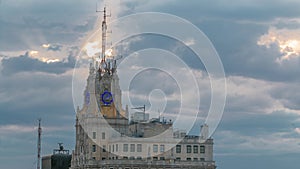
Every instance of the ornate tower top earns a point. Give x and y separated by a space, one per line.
107 87
104 28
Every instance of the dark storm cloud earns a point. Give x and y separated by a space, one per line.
287 95
273 161
27 96
287 24
237 48
228 10
247 103
25 63
86 26
252 124
36 23
241 55
53 47
24 36
9 39
42 23
151 78
244 22
174 46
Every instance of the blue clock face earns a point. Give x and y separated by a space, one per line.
106 98
87 98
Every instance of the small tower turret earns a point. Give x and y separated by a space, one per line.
204 132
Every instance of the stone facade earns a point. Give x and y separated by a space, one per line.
107 139
111 141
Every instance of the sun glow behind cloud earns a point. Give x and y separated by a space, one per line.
109 53
92 50
287 40
46 45
297 130
36 55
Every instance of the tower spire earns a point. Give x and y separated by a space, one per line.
104 28
39 145
103 63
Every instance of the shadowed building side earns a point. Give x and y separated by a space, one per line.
60 159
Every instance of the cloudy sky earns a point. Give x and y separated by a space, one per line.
258 43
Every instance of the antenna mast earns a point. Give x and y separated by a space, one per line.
142 108
104 29
39 145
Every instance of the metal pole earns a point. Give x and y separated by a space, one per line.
39 145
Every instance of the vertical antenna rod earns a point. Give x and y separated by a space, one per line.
39 145
104 28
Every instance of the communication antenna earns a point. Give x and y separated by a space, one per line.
104 31
141 108
39 145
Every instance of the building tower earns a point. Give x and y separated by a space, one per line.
133 143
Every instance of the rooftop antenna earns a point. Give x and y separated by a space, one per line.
104 30
141 108
39 145
60 150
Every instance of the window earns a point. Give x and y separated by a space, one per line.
94 158
188 149
117 147
202 159
202 149
162 158
139 158
103 158
139 147
155 148
178 148
188 159
125 157
125 147
103 135
195 159
81 149
104 148
155 158
195 149
131 158
94 148
178 158
113 150
162 148
94 135
132 147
